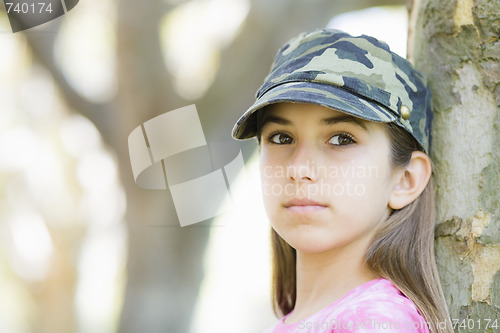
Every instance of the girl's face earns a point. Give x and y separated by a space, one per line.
326 176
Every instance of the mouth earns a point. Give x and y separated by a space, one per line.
297 205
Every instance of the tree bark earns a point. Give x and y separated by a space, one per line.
455 43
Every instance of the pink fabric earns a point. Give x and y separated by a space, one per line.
376 306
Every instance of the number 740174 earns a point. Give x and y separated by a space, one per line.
25 8
470 324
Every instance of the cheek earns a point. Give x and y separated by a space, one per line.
359 184
271 183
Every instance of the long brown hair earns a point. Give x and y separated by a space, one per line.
402 250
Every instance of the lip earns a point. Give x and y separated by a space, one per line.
304 205
302 202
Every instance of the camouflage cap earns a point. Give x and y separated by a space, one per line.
356 75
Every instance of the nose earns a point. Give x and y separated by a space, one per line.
302 166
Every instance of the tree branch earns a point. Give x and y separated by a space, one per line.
42 46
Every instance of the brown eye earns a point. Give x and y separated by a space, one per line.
342 139
281 139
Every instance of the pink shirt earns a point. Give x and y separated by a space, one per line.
376 306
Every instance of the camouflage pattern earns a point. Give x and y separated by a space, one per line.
356 75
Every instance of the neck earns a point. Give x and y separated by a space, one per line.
325 277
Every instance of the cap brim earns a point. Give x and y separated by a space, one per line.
326 95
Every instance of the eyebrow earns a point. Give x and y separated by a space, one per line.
275 120
344 118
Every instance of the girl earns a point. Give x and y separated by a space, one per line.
343 128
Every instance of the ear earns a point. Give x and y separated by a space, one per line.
410 181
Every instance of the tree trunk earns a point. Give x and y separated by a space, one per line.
455 43
164 267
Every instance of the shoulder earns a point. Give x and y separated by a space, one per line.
379 307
